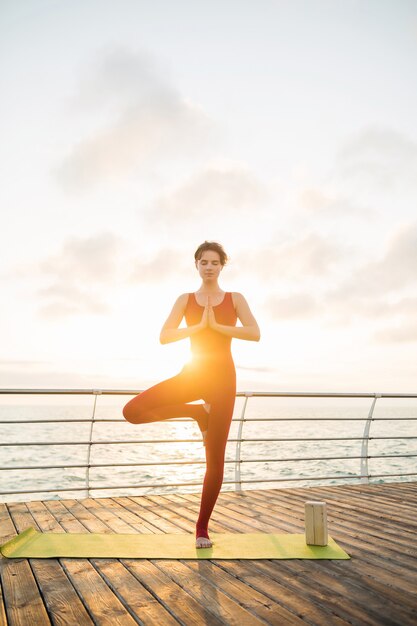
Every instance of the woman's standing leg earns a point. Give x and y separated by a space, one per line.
221 413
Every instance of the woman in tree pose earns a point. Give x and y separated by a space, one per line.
211 316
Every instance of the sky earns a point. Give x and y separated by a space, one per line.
132 131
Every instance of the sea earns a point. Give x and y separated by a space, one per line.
286 442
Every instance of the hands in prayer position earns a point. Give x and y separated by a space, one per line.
208 319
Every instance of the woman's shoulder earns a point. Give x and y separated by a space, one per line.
236 295
181 302
183 298
237 298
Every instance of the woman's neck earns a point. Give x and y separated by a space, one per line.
210 287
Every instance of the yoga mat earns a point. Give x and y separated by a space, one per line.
33 544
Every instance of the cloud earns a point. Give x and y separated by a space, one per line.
404 333
382 156
71 300
143 119
77 279
319 201
85 259
373 290
393 272
309 256
166 263
295 306
77 275
215 191
11 363
401 315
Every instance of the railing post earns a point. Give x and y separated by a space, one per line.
96 393
365 441
238 484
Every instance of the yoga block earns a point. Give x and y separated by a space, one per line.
316 523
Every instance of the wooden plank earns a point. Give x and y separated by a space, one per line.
225 518
57 592
287 602
311 589
222 606
64 517
7 528
356 527
173 516
377 586
359 592
86 517
3 618
103 605
290 501
23 602
131 592
254 601
395 574
98 601
212 597
344 512
130 516
365 592
137 600
373 567
288 599
221 520
87 576
249 599
398 487
114 522
59 595
353 509
151 518
346 527
7 532
376 504
180 604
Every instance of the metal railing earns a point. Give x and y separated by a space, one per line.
364 457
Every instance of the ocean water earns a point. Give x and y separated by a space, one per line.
265 464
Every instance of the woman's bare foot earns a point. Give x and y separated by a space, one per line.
203 542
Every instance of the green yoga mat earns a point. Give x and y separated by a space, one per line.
33 544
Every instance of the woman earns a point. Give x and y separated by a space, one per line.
211 316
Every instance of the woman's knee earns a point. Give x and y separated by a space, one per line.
130 412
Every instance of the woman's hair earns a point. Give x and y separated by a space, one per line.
211 245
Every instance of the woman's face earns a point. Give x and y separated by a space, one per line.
209 266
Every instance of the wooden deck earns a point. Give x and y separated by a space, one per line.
375 524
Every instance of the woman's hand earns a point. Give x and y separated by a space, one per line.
205 317
208 319
212 323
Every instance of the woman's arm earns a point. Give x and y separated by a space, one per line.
249 329
170 331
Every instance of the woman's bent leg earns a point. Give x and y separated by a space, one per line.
167 400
